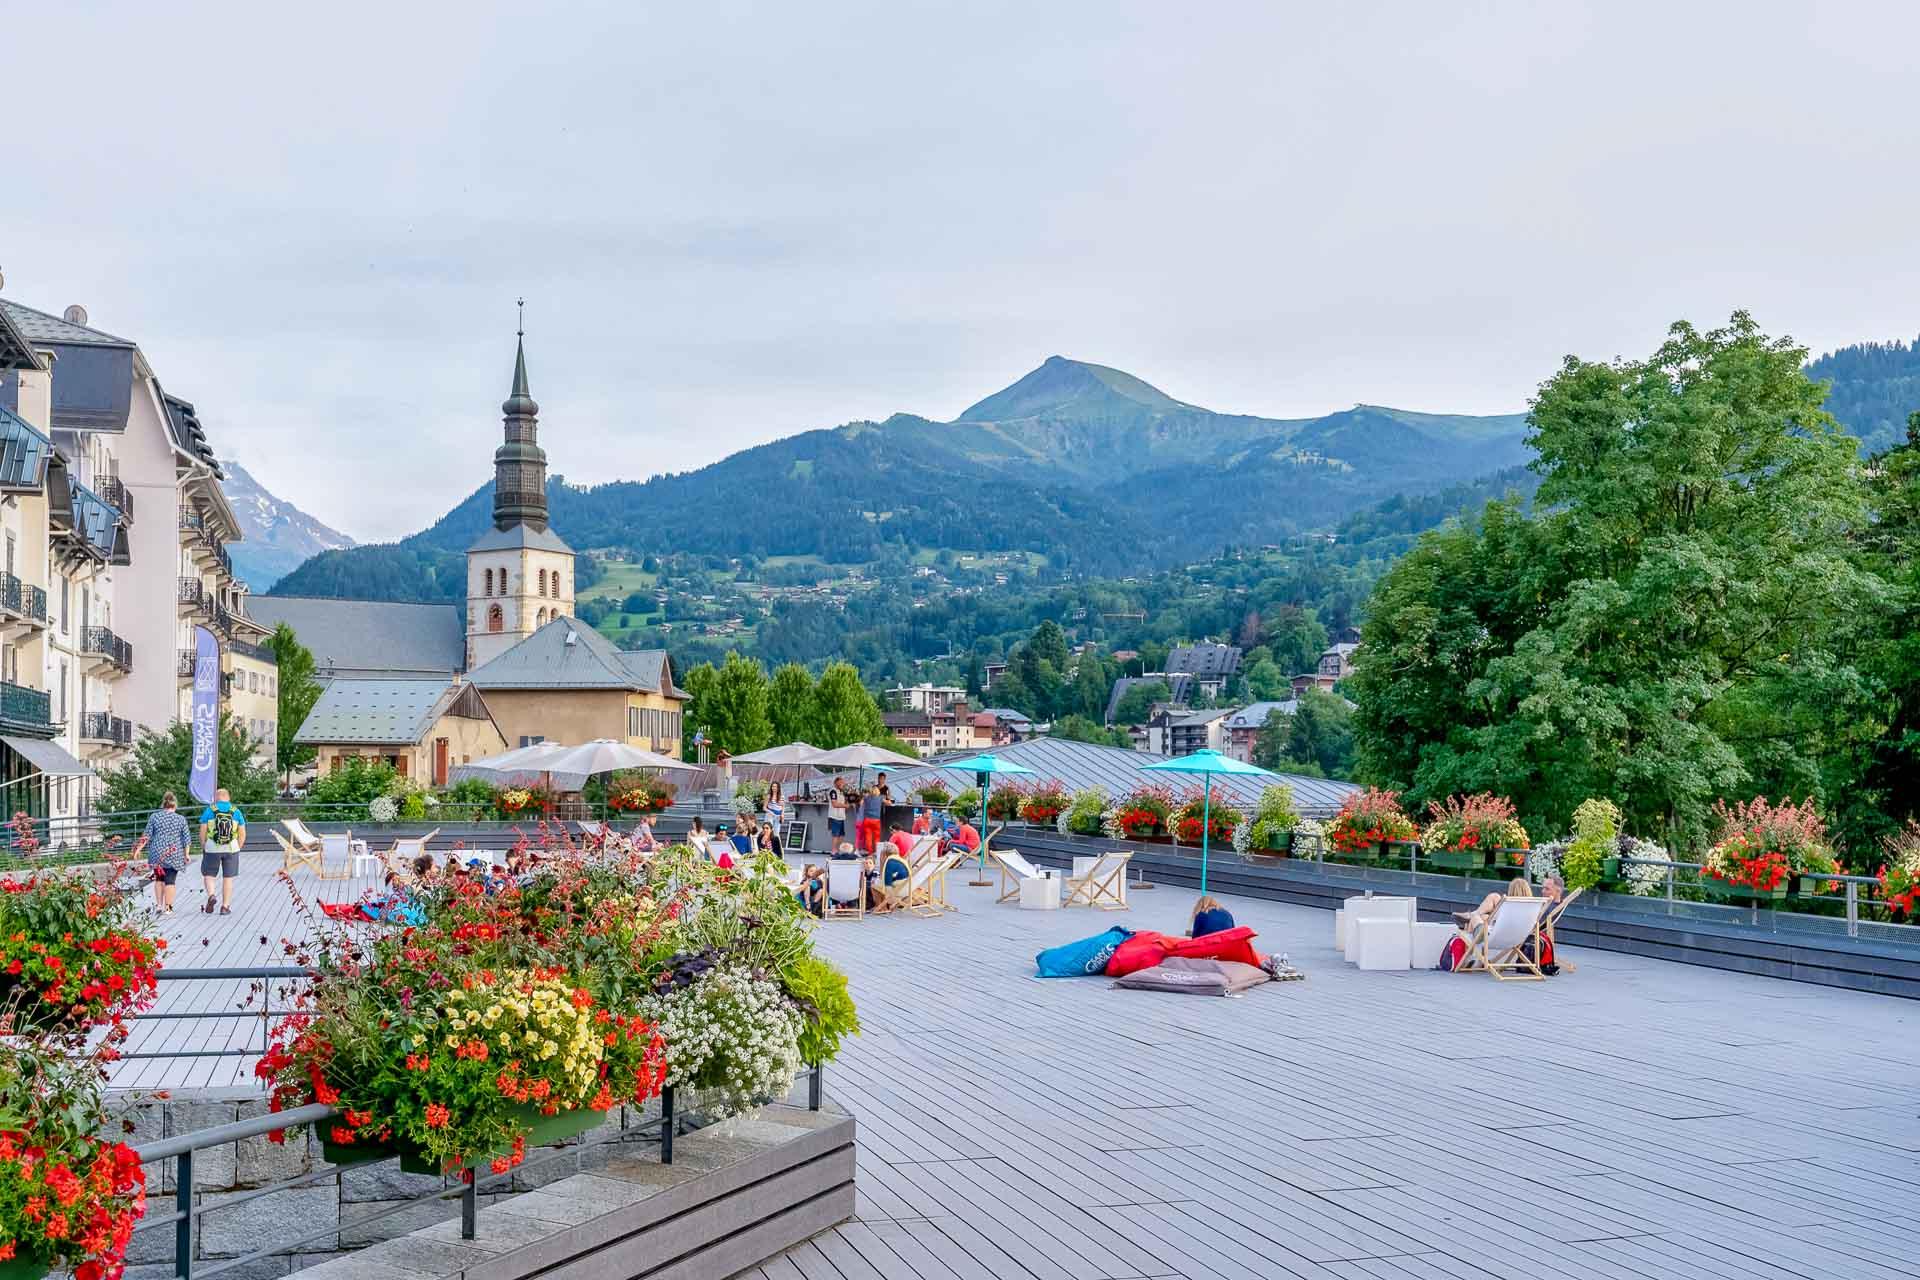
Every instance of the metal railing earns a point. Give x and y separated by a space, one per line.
22 599
184 663
192 521
114 490
193 593
21 707
258 652
100 642
188 1210
104 726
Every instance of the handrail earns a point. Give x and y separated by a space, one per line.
234 1130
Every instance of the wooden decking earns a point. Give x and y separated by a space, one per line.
1633 1118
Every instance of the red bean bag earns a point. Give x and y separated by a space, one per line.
1145 950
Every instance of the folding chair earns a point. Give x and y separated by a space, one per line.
340 845
1553 916
1014 868
846 890
1500 948
924 894
300 836
1104 885
293 855
407 848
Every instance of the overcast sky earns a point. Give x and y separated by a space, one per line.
736 222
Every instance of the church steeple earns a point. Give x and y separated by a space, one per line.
519 464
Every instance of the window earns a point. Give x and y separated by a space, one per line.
543 582
65 601
633 722
10 542
496 619
63 679
487 588
529 739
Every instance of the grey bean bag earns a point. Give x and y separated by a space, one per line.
1196 977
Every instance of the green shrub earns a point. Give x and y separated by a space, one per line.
1596 825
1087 815
966 805
343 795
821 992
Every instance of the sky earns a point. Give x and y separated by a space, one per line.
734 222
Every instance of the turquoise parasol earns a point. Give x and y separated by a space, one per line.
1208 762
987 766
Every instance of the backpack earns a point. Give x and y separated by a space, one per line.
1452 954
223 827
1545 958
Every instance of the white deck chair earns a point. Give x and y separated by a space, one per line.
407 848
923 847
1501 947
300 836
293 855
338 846
924 894
846 889
1014 868
1104 885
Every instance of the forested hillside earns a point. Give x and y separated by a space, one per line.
1093 468
1875 386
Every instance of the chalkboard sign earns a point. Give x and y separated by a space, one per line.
796 837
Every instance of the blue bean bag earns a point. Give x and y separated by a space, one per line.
1078 959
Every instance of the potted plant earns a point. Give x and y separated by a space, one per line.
1004 801
1215 818
1044 802
1596 828
1143 814
1467 833
1366 822
1270 831
68 1198
74 953
1086 814
1899 875
934 795
1640 866
1760 848
965 805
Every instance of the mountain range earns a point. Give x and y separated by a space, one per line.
1095 468
279 536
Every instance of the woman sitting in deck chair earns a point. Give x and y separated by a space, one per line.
895 874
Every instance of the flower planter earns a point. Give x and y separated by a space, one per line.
1809 886
1610 869
541 1131
1717 888
24 1269
1508 859
1458 859
1360 853
356 1152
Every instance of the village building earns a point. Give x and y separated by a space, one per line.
422 727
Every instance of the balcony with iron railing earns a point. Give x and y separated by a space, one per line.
114 490
101 644
22 602
194 596
107 729
25 711
183 665
192 521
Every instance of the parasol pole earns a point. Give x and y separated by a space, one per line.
1206 830
986 833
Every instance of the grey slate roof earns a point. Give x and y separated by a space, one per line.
520 536
1179 685
357 638
1117 771
183 424
1254 714
568 654
16 350
388 712
1207 661
38 326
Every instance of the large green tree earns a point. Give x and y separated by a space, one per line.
1669 625
790 704
736 708
163 762
298 691
844 712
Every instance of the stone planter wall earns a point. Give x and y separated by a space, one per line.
222 1173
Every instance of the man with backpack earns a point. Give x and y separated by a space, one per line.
223 830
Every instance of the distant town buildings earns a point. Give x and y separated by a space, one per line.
931 698
956 727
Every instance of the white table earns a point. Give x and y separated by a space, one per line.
1428 941
1355 910
362 856
1040 893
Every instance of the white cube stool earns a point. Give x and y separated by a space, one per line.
1405 910
1382 942
1340 929
1040 893
1429 940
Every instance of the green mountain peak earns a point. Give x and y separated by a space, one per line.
1061 387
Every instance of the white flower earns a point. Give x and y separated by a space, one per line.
1543 860
1646 880
383 809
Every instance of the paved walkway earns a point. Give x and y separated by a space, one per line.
1633 1118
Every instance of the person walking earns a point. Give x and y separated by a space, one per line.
223 830
165 844
837 811
867 831
775 810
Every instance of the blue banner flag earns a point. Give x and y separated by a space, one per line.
206 716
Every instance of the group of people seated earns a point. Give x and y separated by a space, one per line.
1554 890
888 862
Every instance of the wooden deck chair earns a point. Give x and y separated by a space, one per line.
341 845
407 848
1104 886
293 855
1014 868
301 837
924 893
923 847
1553 916
846 890
1500 948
